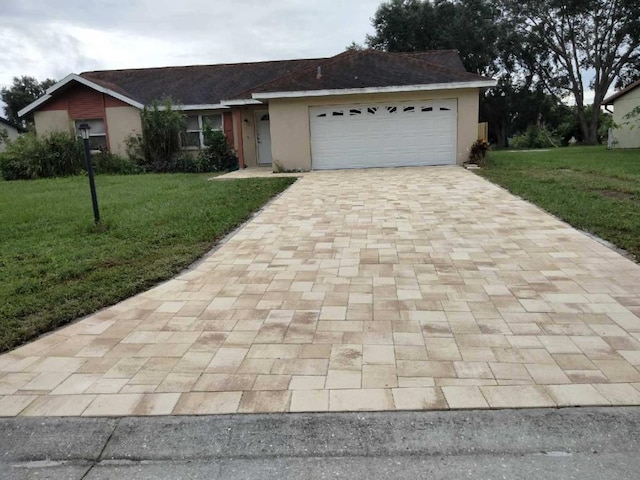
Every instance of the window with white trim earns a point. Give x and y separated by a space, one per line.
97 133
194 137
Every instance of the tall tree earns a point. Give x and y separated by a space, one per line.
23 91
586 44
470 26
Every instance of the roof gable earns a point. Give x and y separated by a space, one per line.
621 93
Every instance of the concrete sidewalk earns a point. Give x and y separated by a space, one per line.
586 443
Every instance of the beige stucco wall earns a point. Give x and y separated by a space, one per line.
12 134
122 122
52 121
290 132
628 130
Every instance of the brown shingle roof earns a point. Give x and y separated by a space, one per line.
371 68
193 85
211 84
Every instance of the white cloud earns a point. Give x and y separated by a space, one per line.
53 38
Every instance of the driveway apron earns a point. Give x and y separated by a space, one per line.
381 289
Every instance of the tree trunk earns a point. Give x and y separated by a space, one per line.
584 125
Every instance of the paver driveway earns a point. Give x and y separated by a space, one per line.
417 288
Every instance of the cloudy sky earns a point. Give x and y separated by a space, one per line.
52 38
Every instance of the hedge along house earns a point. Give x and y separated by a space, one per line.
358 109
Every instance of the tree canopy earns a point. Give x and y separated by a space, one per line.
23 91
540 51
586 45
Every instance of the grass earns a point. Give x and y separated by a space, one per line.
593 189
56 266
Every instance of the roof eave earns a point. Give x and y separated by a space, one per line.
367 90
77 78
240 102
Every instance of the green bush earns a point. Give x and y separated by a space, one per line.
535 137
217 156
107 162
56 154
160 143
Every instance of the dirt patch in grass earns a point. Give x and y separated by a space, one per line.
617 195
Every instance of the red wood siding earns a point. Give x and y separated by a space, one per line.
227 122
59 103
85 103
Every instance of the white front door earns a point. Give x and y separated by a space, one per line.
390 134
263 137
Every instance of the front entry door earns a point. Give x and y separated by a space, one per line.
263 137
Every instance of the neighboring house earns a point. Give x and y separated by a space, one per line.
358 109
627 130
13 131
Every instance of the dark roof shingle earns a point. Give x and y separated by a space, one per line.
193 85
211 84
370 68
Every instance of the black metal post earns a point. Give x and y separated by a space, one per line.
92 183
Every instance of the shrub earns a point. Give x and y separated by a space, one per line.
162 126
217 156
478 152
106 162
56 154
535 137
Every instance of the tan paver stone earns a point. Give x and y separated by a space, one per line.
509 371
76 384
544 374
570 395
360 400
207 403
472 370
343 379
272 382
12 405
112 405
569 361
314 351
12 382
416 382
460 397
517 396
410 368
300 366
419 399
619 393
265 402
618 371
227 360
45 381
57 365
224 382
309 401
586 376
156 404
58 406
405 352
307 382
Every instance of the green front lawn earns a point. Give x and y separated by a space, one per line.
593 189
55 266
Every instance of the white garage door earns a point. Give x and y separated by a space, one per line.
391 134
